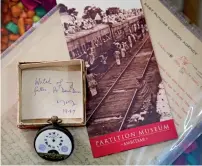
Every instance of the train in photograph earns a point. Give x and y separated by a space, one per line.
100 38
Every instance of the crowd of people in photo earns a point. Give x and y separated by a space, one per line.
75 24
104 50
120 49
121 16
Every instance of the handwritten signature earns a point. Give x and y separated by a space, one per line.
65 102
70 110
60 88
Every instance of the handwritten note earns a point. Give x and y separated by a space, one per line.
46 93
179 59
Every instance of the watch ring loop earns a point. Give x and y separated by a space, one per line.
54 120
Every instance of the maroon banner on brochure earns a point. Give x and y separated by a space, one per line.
133 138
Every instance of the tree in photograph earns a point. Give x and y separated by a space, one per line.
63 8
92 12
113 10
72 11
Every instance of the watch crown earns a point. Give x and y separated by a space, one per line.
54 120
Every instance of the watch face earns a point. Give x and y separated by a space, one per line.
53 144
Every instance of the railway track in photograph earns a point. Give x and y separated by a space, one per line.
108 79
112 112
144 102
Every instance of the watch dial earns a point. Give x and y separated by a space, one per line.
53 141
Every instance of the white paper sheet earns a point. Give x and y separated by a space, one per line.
178 53
47 93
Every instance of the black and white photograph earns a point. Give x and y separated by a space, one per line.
124 86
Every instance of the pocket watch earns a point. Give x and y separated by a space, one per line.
53 142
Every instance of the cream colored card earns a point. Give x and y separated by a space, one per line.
47 93
179 54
